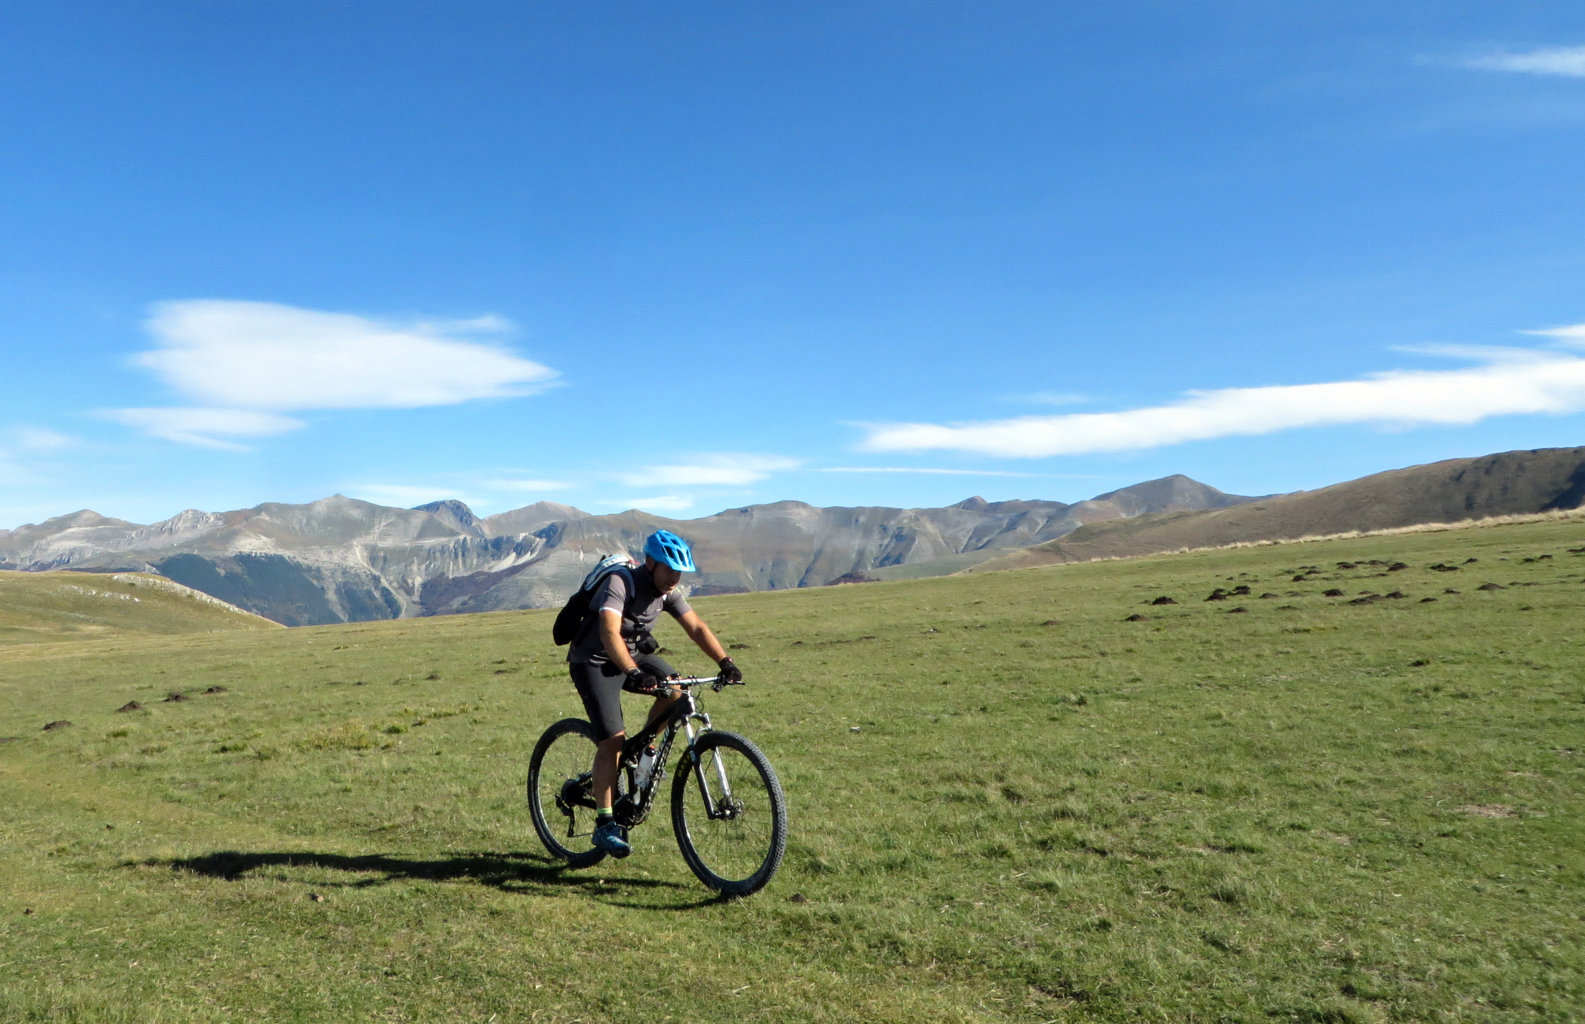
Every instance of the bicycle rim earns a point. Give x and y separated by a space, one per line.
564 822
729 814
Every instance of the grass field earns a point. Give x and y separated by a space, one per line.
1044 795
70 607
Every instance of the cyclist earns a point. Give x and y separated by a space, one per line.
615 652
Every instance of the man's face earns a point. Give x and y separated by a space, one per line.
665 576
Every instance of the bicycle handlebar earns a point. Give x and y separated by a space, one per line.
716 683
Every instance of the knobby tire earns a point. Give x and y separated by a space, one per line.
739 853
564 751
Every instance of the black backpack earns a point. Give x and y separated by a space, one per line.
574 615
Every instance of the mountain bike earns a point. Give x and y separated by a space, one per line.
727 807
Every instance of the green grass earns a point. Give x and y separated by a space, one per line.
69 607
1008 803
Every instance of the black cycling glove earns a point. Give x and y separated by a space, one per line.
730 673
640 680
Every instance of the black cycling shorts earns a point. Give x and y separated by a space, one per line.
600 687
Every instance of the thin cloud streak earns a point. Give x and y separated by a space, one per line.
657 503
37 440
1538 383
30 457
1049 398
220 429
524 486
1573 335
719 470
928 472
1565 61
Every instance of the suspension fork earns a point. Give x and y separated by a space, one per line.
715 806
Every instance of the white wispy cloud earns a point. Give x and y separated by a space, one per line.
713 470
1049 398
654 503
27 440
228 355
1572 335
30 458
222 429
1567 61
684 482
525 485
262 355
926 471
1509 382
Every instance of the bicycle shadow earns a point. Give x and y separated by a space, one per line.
510 872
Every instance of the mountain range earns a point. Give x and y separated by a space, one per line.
1457 490
340 559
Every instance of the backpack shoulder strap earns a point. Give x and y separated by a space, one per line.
588 618
572 622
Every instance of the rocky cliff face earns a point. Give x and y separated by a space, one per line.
339 559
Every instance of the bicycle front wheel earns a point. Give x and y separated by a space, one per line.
729 814
559 799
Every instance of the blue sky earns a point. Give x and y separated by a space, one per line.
690 256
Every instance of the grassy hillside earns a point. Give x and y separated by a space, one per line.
40 607
1349 788
1458 490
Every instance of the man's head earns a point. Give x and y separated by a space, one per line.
667 557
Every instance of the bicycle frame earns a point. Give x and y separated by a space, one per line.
686 716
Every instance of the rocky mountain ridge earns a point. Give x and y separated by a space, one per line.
340 559
1455 490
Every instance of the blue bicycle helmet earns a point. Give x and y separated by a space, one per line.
670 550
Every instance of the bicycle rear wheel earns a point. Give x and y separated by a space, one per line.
559 800
729 814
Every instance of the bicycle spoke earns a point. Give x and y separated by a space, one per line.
558 792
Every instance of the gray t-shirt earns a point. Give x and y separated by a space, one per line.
638 615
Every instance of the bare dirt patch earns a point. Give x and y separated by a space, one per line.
1489 811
